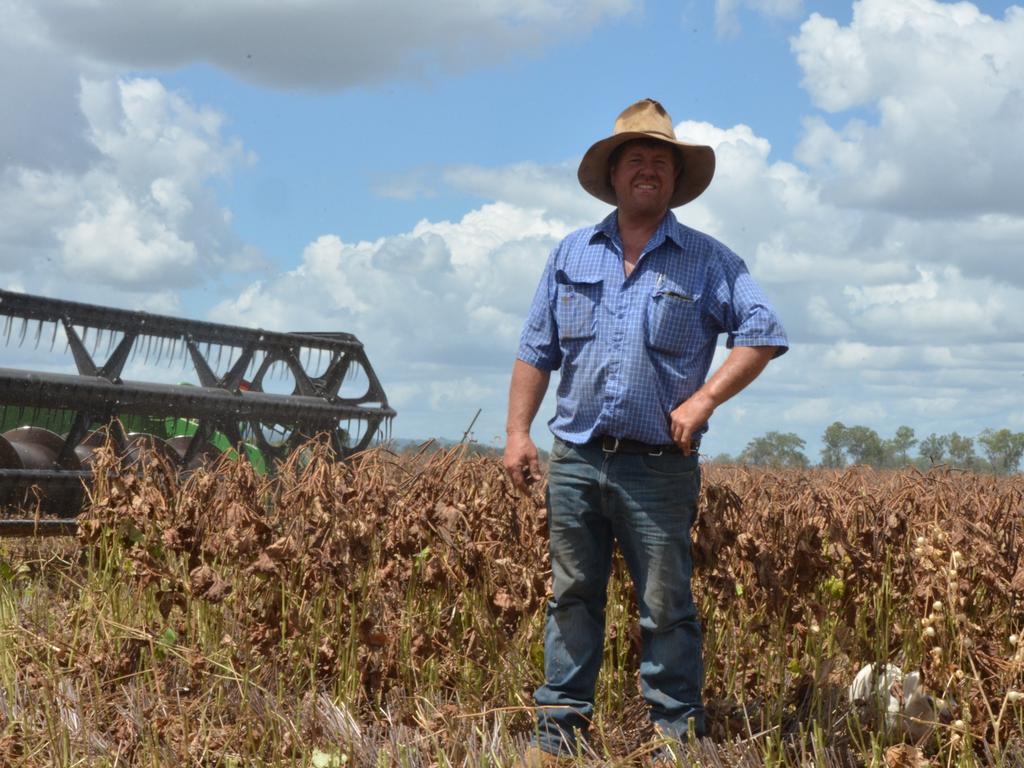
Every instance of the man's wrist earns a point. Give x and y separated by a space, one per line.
706 398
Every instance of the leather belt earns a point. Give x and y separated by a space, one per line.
610 444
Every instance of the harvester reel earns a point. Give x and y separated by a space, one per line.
59 419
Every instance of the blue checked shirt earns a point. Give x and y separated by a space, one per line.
631 349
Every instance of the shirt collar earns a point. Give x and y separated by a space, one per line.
669 228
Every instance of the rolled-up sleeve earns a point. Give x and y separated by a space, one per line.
538 344
744 311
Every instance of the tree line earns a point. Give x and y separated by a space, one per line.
992 450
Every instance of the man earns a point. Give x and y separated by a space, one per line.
630 311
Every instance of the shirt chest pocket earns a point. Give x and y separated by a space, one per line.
673 320
576 302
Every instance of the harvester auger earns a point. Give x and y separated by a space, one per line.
52 422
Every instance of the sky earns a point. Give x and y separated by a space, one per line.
401 170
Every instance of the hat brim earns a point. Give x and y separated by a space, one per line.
698 167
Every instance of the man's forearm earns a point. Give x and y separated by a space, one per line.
742 366
525 395
739 369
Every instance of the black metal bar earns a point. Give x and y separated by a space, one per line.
94 316
198 443
88 393
42 527
57 493
79 428
234 376
303 385
203 371
70 477
335 374
84 361
115 363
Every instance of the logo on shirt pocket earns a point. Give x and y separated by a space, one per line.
673 319
575 306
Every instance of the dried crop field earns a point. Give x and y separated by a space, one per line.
389 612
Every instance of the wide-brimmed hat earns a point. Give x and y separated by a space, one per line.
647 119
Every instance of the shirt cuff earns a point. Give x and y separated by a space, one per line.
780 342
537 360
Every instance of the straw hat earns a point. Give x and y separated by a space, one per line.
647 119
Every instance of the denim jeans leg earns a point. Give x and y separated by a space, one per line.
656 505
581 547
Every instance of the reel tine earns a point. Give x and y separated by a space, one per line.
97 339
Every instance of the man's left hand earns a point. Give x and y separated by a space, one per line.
689 417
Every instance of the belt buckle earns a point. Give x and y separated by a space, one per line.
658 452
615 444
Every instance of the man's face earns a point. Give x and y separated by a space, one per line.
644 178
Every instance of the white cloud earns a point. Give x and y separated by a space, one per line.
945 81
321 43
39 83
114 240
141 216
439 308
812 412
531 185
451 293
855 354
941 305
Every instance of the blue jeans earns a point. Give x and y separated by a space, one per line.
647 504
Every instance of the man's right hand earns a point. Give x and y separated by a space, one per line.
521 460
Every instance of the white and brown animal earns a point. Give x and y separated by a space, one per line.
882 695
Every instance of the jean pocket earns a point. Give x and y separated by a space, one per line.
576 302
559 450
673 320
670 464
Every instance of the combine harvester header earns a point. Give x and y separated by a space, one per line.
52 422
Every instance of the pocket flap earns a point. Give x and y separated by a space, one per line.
670 290
577 277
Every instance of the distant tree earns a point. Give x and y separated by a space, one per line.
961 451
775 449
864 446
898 448
832 455
933 448
723 458
1003 448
